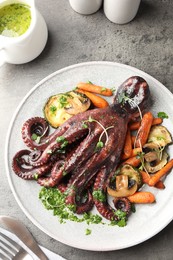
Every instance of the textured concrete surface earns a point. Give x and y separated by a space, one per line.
145 43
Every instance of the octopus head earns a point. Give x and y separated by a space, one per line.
132 96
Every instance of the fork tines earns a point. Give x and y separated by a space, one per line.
8 247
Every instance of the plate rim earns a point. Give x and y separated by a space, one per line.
27 214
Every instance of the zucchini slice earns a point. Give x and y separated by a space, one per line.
61 107
159 164
160 136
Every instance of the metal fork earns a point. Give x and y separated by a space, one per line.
10 250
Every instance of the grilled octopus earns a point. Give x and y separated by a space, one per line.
85 151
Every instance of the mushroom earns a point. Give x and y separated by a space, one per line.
156 165
77 103
122 189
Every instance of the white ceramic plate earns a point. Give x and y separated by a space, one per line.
148 219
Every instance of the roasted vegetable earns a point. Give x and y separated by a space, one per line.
160 136
62 106
156 165
132 173
127 181
122 189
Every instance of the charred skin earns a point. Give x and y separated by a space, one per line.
83 159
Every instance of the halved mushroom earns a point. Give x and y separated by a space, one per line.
77 103
122 189
152 152
132 173
156 165
159 135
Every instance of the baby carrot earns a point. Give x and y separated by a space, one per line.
133 138
135 126
96 100
158 175
95 89
133 161
144 129
128 145
157 121
142 197
159 185
134 152
146 177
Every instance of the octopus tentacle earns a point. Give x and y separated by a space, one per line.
123 204
102 205
75 199
74 160
38 126
67 139
24 170
54 177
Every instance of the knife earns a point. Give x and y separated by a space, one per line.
23 234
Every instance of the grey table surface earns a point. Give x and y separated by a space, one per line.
145 43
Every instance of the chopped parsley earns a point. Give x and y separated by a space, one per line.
122 219
87 231
53 199
63 101
99 195
53 109
103 89
62 139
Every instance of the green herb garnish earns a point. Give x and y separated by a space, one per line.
99 144
162 115
87 231
122 219
103 89
53 109
63 101
36 138
122 98
99 195
53 199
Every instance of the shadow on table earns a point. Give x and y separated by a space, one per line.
146 10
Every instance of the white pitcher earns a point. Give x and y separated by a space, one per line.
28 46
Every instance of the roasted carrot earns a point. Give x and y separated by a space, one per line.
95 89
144 129
133 161
133 138
146 177
134 152
142 197
157 121
136 125
128 145
158 175
160 185
96 100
